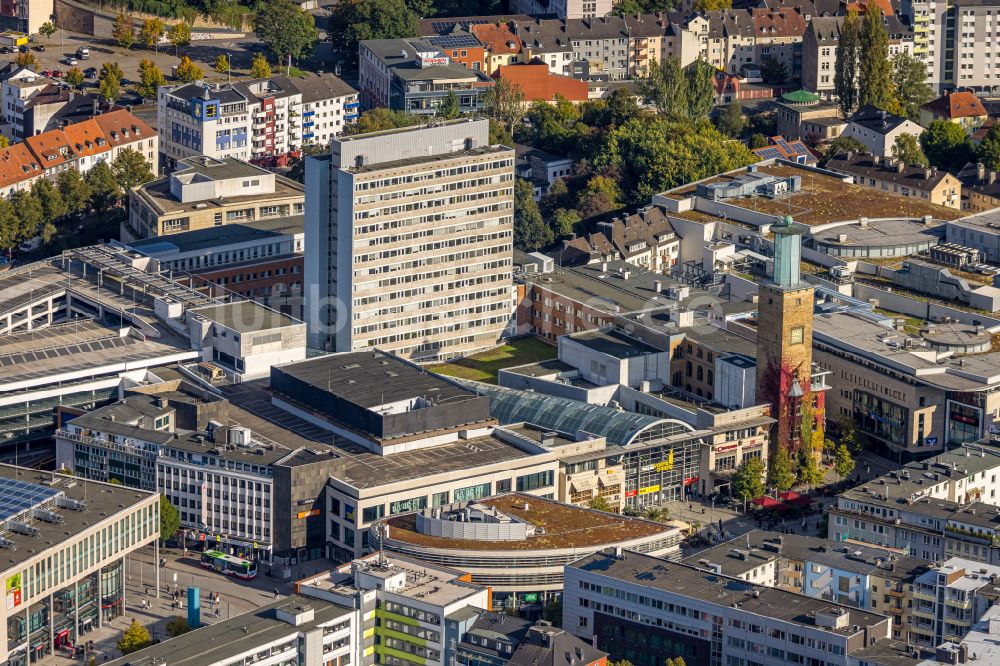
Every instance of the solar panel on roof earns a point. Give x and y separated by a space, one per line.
454 41
768 153
19 496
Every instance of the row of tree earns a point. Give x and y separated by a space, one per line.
784 472
50 208
865 74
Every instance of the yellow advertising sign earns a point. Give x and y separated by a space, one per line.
665 465
649 489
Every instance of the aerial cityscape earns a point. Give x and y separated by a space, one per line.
509 332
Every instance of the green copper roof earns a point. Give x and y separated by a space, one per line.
800 97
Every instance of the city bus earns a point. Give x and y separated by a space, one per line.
229 565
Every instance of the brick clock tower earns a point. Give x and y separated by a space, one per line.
784 346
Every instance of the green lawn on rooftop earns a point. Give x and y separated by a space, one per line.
485 366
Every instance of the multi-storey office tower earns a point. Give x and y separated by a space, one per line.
409 238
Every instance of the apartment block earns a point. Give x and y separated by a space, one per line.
417 75
564 9
410 242
264 121
89 528
957 41
206 192
646 609
950 599
79 146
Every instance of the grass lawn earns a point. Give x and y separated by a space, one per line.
485 366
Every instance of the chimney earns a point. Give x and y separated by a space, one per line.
875 160
980 171
927 174
992 176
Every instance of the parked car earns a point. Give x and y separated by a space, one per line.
30 244
71 61
40 47
6 49
57 73
83 53
90 73
23 48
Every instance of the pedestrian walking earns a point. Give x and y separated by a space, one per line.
275 593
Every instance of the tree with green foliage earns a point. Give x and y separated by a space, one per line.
845 75
110 89
553 611
10 226
599 504
773 71
188 72
53 205
135 638
564 221
665 87
111 70
875 69
131 169
47 29
449 107
123 30
906 149
551 127
600 195
654 154
259 68
758 140
170 519
222 64
700 78
530 231
843 463
356 20
623 662
989 149
504 103
74 190
909 83
29 211
842 145
180 35
151 32
150 79
809 471
731 121
75 78
748 479
379 119
286 29
780 474
177 626
947 146
676 661
712 5
104 190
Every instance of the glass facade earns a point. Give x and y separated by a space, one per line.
964 413
881 418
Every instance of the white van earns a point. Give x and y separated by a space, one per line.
30 244
83 53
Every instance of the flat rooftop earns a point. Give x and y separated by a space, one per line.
880 233
434 585
246 316
613 343
825 197
562 526
216 168
230 638
225 235
687 581
890 652
986 221
372 379
37 489
428 160
158 196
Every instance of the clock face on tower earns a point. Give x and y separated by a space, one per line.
796 335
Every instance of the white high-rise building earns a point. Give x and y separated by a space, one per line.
409 239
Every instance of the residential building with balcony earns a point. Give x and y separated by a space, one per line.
949 599
263 121
207 192
961 107
410 241
417 75
635 606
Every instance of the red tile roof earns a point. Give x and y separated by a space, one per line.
18 164
498 39
121 127
956 104
538 83
779 22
